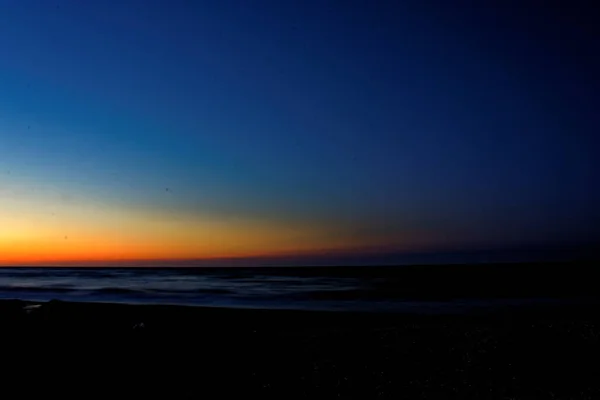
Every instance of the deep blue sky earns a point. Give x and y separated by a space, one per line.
462 123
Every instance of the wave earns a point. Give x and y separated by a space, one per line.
117 290
213 291
37 289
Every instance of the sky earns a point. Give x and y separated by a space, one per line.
191 130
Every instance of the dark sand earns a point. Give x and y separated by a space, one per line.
101 349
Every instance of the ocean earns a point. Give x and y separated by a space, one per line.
373 289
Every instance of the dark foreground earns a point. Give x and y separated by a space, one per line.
89 350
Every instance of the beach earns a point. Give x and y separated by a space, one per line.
201 352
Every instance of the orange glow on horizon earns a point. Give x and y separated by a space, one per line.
43 231
176 244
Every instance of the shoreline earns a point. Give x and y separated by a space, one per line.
120 317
